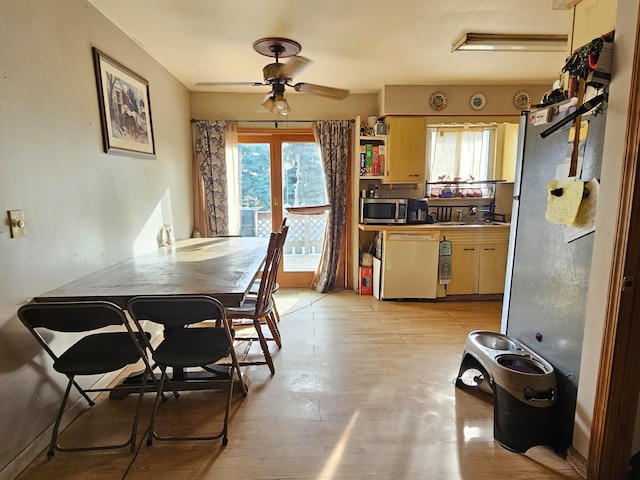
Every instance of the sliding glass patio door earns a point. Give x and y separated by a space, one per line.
280 170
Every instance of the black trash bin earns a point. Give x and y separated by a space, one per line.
524 404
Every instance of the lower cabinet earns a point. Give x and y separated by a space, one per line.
477 268
493 268
464 269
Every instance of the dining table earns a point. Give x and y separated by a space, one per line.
222 267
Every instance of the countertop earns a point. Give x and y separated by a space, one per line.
448 226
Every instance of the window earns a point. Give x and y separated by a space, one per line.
461 152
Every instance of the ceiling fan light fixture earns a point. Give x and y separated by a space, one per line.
499 42
269 104
281 104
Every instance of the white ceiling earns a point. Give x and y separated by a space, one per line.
359 46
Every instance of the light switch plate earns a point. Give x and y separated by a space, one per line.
18 226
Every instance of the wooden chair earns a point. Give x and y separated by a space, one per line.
100 349
256 284
259 308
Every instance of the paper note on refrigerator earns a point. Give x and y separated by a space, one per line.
563 201
586 220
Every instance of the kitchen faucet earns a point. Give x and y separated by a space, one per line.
461 216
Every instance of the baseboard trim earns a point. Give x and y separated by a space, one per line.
577 461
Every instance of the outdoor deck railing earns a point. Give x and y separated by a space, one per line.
305 232
305 236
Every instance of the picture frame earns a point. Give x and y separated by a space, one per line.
125 108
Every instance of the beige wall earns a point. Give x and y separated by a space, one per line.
415 99
246 106
613 155
593 18
84 209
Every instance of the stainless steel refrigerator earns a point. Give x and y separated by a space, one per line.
547 281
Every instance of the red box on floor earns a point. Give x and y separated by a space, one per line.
366 281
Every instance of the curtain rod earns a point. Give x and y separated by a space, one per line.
274 121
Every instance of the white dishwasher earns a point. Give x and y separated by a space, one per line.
409 265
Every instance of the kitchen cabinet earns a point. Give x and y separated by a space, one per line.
479 255
464 269
405 150
492 268
477 268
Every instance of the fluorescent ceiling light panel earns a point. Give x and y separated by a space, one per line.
499 42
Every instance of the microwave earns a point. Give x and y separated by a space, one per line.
383 210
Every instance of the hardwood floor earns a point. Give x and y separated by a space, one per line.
363 390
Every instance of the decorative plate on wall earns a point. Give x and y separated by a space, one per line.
478 101
522 100
438 101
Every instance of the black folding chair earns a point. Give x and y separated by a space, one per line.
103 349
184 347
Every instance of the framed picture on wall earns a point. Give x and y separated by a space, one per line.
125 109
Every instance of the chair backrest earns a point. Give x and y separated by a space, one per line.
71 316
271 265
175 311
284 230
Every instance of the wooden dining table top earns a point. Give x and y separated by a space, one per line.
223 267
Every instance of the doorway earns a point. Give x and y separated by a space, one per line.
280 170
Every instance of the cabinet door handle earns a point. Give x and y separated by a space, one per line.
489 249
469 249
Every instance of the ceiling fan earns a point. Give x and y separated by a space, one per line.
279 75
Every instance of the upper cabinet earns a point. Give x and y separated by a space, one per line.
405 150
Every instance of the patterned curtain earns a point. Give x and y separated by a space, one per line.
210 193
332 136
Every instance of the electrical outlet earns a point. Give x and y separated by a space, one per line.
17 224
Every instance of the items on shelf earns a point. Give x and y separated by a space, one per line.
462 189
372 159
455 195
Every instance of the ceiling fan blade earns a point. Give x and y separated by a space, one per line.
231 84
293 67
321 90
